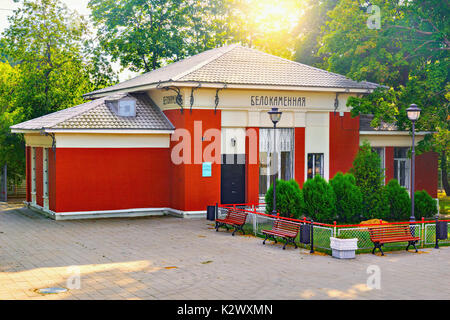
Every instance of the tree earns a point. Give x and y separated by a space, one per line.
144 35
320 200
44 69
408 54
348 197
369 178
309 31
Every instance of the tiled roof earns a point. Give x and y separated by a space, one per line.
235 64
96 114
364 124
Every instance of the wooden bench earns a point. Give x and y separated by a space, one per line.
233 218
285 229
392 233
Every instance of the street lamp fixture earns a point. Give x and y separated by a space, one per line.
413 113
275 116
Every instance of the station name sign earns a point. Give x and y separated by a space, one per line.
278 101
170 100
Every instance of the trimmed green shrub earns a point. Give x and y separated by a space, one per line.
348 197
375 205
399 202
320 200
289 199
424 205
369 177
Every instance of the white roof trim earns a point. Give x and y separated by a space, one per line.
109 131
229 86
392 133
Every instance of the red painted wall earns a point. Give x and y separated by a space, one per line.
39 177
51 180
252 169
344 142
28 173
389 164
90 179
299 156
427 173
189 190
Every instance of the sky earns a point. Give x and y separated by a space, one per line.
7 7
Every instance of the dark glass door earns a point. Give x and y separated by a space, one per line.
232 186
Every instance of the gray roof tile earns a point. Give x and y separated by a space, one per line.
366 119
235 64
96 114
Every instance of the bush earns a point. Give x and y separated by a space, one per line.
289 199
320 200
375 205
424 205
348 197
398 200
369 177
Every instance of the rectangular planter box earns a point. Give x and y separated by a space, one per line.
343 254
343 248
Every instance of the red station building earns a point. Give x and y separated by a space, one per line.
197 132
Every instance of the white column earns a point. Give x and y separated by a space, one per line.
317 139
33 175
45 177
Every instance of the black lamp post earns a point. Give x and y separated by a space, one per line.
275 116
413 113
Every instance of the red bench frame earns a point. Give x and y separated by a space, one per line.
284 229
392 233
233 218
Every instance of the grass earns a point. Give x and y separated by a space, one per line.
444 204
322 239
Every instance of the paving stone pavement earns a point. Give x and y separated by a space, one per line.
173 258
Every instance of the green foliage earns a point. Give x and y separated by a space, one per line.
289 199
424 205
399 202
46 67
348 198
144 35
320 200
408 54
367 169
369 177
313 20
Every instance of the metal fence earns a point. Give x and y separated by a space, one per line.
258 220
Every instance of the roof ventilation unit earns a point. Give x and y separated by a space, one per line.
122 105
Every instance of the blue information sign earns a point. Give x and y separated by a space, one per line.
206 169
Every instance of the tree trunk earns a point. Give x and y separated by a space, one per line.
444 174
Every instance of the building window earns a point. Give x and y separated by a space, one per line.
315 165
273 165
380 152
402 165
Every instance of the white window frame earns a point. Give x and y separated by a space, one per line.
285 142
322 169
407 162
383 159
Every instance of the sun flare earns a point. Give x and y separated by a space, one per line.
275 16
